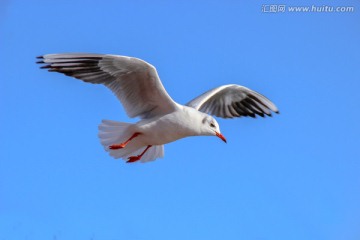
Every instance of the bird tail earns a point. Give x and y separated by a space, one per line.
113 132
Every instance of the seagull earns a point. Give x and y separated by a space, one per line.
137 85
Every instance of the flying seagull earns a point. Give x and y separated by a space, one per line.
138 87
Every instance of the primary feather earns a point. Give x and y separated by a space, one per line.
232 100
134 81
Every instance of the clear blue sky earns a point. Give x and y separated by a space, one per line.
291 177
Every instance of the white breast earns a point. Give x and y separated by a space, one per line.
169 128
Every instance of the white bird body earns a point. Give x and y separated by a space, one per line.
169 127
138 87
156 131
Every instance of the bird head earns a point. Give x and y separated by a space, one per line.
210 127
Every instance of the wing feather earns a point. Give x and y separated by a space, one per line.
232 100
134 81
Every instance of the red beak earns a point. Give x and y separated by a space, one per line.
221 136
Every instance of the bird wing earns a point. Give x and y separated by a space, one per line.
134 81
232 100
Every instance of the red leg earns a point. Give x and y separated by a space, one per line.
138 157
122 145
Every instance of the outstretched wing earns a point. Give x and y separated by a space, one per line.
134 81
232 100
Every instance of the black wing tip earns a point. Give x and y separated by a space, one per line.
270 115
41 61
45 67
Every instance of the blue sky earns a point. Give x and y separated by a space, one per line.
293 176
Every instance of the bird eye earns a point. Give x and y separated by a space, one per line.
212 125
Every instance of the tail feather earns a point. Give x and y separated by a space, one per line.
152 154
129 150
112 132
